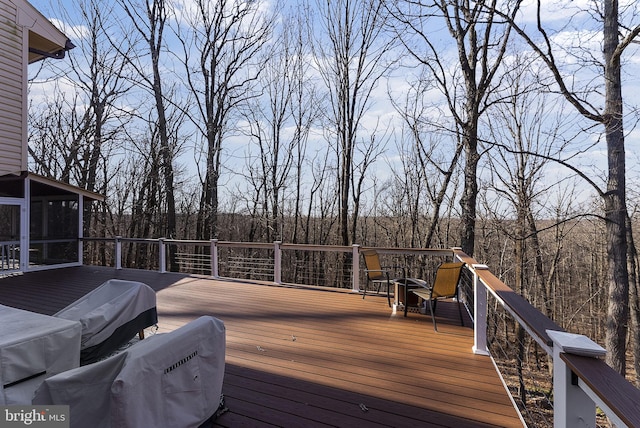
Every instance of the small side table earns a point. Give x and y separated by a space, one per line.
402 297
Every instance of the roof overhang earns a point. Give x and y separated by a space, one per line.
65 187
45 40
41 48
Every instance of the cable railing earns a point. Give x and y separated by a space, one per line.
554 378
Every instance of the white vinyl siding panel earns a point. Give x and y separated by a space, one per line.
12 115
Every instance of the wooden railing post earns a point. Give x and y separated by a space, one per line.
214 258
118 255
479 312
162 254
572 406
355 268
277 262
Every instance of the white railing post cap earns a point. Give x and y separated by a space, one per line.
576 344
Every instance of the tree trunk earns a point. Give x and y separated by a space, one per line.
615 198
156 20
634 305
470 194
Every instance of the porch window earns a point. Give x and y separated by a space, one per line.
53 230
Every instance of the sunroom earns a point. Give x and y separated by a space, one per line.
40 219
41 223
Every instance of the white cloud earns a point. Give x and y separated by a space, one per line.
554 11
188 11
72 31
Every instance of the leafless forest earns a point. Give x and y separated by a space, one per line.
497 126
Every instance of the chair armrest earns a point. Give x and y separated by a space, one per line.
413 283
377 270
424 293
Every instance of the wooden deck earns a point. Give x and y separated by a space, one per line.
303 357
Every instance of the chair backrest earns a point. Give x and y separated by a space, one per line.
372 262
446 282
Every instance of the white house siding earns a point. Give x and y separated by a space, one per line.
12 157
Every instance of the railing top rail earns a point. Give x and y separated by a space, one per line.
95 239
186 241
535 320
613 390
140 240
229 244
316 247
123 239
412 251
285 246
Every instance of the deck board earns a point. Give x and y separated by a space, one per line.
310 357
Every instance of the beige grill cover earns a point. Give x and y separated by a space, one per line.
168 380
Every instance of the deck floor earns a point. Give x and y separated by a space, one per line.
304 357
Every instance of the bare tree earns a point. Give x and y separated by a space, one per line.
322 202
279 122
428 166
55 135
221 41
147 20
480 39
634 304
101 75
351 51
527 134
305 110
